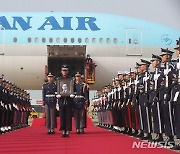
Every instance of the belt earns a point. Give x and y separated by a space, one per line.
79 96
50 95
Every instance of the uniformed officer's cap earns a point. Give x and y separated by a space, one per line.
64 68
109 85
82 76
126 73
155 57
120 73
145 62
50 75
166 52
133 71
137 65
177 44
77 74
116 79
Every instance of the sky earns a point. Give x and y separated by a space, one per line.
165 12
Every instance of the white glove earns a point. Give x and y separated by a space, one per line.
145 79
136 82
166 71
156 76
178 65
10 107
72 96
58 96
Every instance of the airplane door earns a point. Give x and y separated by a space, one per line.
2 37
134 42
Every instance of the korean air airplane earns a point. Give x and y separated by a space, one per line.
31 42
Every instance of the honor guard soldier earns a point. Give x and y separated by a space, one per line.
49 90
80 99
143 99
127 112
135 102
132 102
176 96
86 91
1 104
165 93
114 104
156 106
120 100
65 103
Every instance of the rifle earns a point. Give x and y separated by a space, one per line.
179 64
135 91
166 98
155 100
146 100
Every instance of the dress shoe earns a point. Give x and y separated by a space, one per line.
52 131
176 147
67 133
77 131
129 132
158 138
82 131
170 141
125 131
140 135
63 135
147 137
135 133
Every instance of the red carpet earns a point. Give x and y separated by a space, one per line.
34 140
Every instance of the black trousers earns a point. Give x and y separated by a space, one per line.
65 113
168 118
177 118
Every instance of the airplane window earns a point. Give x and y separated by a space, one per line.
50 40
115 41
101 40
58 40
86 40
108 40
36 40
93 40
65 40
43 39
129 41
72 40
79 40
29 39
15 39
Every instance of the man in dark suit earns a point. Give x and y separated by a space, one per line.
65 103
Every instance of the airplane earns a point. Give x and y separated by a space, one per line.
31 42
